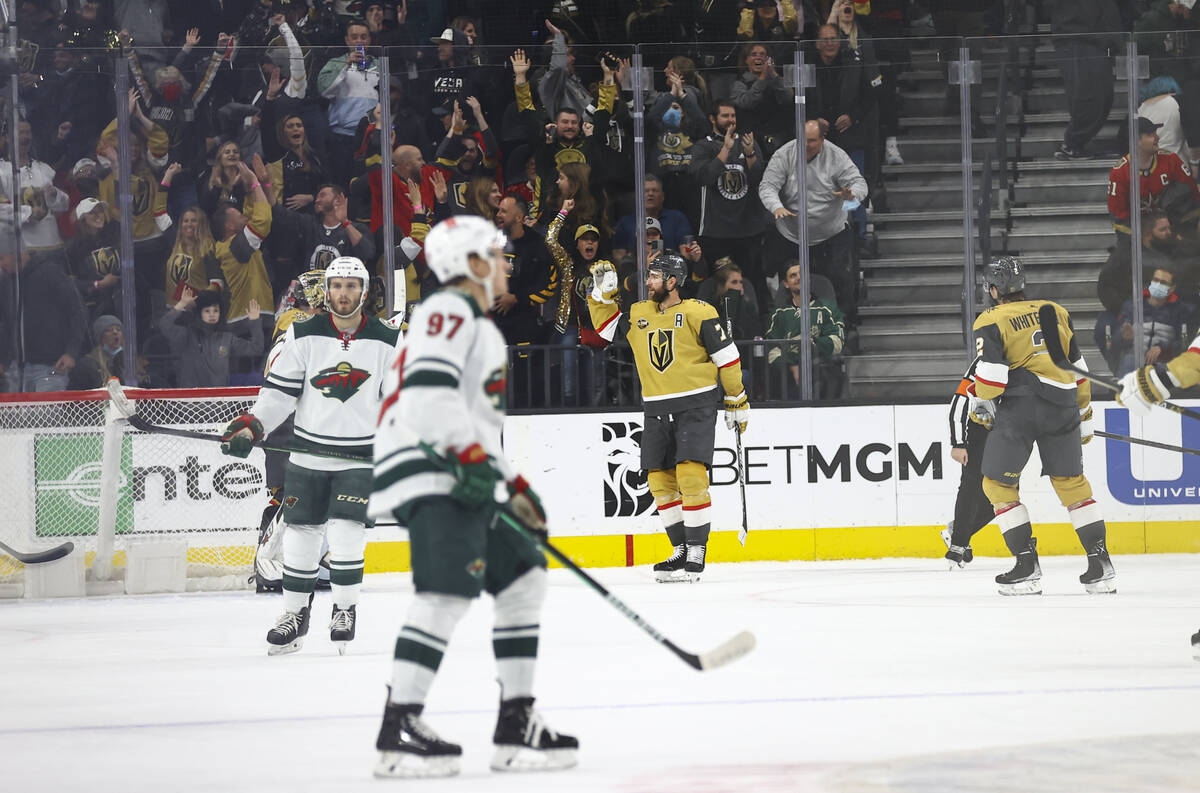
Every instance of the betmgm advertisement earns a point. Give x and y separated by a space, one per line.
856 482
820 483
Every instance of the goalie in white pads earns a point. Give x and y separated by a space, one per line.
329 369
438 461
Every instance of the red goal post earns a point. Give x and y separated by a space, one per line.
73 469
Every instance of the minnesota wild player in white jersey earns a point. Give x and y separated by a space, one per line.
438 461
329 369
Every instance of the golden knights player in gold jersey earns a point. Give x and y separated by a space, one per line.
1041 404
1154 384
681 352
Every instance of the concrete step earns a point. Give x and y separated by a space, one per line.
905 197
1039 99
949 149
1037 240
911 387
893 242
1042 191
948 364
896 288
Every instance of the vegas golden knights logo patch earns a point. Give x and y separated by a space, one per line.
339 382
106 262
662 348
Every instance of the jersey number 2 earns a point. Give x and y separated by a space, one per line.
437 323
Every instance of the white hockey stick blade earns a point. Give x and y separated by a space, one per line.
118 399
728 652
742 536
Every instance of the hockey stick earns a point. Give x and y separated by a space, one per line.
39 557
737 432
129 412
1143 442
1049 322
727 651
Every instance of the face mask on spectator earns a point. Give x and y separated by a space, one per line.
1158 290
172 91
672 117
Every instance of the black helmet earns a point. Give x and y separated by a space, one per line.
670 264
1007 274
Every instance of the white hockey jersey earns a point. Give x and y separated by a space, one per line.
334 382
447 387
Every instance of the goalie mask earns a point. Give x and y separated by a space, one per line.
451 243
346 267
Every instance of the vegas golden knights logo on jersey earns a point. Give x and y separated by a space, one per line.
460 194
141 196
322 256
662 348
106 262
180 266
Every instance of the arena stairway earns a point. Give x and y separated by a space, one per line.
1052 214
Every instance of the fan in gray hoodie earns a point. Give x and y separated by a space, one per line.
203 344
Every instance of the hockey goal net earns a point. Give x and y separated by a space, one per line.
74 470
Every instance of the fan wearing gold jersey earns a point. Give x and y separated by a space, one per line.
1044 405
682 353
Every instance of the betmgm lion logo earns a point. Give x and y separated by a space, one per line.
626 494
339 382
661 346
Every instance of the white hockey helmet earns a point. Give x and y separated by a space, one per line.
346 267
450 244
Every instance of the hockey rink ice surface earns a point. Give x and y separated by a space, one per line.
869 677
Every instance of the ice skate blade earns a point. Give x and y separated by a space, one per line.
341 647
953 565
670 576
1033 587
407 765
285 649
523 758
1196 647
1105 586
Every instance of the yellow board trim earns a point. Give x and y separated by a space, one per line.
851 542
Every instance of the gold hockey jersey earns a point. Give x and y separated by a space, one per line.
679 352
1013 357
1185 367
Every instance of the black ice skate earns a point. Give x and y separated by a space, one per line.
959 556
525 743
288 634
1196 645
409 748
694 565
670 570
1026 576
1100 578
341 627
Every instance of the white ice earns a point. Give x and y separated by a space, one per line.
869 676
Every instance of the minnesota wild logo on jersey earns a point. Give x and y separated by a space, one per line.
496 388
339 382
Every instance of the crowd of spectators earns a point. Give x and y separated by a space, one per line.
256 154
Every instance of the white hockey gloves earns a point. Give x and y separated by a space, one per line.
604 282
1144 388
737 412
1086 431
983 411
